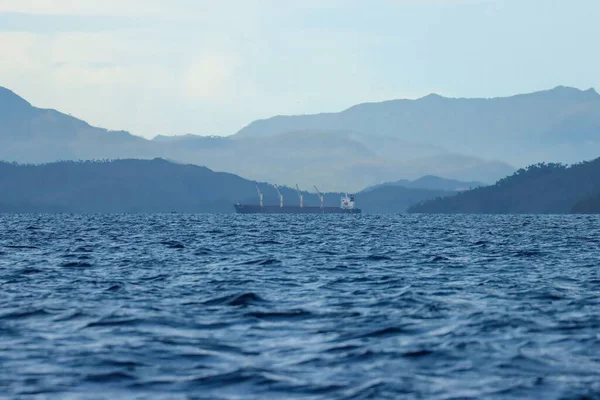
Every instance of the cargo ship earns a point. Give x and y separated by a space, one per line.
346 205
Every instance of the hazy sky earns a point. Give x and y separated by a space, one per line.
211 67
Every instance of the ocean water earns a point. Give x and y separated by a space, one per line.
299 306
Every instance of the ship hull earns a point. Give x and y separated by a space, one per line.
257 209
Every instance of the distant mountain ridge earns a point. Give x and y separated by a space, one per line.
148 186
520 129
31 134
431 182
335 160
359 147
538 189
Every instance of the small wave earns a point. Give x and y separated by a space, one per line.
76 264
327 252
20 247
115 288
417 353
525 363
377 257
83 249
238 299
232 378
339 267
547 295
262 261
269 241
112 322
369 390
30 271
384 332
527 253
438 259
342 349
203 251
171 244
108 377
20 314
281 315
110 362
68 316
159 277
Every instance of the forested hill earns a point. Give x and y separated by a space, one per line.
159 186
540 188
589 205
118 186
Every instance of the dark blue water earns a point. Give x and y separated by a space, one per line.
284 306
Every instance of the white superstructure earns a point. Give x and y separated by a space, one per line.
347 202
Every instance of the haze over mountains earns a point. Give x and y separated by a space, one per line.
554 124
466 139
431 182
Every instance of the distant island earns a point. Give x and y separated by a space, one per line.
149 186
538 189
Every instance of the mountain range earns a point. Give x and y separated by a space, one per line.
146 186
560 124
365 145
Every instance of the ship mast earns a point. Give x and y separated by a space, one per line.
300 196
320 196
280 196
260 195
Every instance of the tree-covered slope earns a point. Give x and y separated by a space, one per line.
118 186
540 188
588 205
159 186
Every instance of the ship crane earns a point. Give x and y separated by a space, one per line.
260 195
280 196
321 197
300 196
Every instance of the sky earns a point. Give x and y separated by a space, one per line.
211 67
